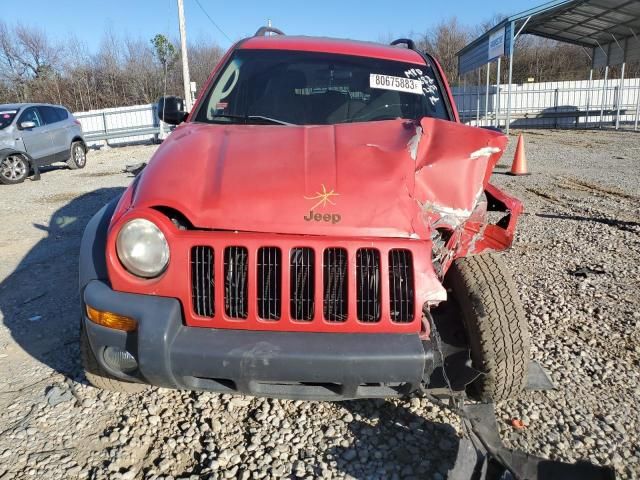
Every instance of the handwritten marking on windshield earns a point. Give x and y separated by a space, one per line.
429 86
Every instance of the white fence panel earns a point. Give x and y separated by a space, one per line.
570 104
121 125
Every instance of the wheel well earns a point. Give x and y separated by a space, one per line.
25 155
79 139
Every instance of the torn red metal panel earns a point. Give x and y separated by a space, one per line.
480 237
453 165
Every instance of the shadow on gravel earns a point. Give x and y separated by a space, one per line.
39 299
627 226
43 170
393 442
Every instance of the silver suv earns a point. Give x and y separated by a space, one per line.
33 135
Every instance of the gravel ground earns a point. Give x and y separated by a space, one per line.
576 262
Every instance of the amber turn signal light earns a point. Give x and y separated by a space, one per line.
111 320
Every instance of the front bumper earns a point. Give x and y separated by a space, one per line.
296 365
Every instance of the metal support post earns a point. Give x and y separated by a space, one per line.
586 120
477 91
104 127
511 45
486 98
604 94
556 94
464 97
635 125
497 117
619 96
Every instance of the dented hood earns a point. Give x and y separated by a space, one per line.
390 178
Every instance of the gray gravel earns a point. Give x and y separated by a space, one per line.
583 213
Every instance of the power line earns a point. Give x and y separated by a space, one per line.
214 23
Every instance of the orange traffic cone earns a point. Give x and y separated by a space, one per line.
519 166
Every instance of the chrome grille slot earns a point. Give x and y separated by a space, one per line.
335 281
202 281
302 283
235 281
368 284
269 283
401 286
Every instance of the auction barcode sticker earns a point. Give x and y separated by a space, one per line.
399 84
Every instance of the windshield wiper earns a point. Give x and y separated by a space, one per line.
247 118
268 119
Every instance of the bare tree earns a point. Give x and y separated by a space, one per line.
29 63
79 93
35 53
130 71
203 57
443 42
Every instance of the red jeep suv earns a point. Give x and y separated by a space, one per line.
317 227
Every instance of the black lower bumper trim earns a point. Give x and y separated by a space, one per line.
298 365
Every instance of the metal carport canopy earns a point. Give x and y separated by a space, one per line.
609 28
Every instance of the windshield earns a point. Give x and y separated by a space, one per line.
6 117
308 88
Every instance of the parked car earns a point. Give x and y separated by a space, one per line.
33 135
318 228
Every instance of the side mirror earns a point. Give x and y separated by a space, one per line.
27 125
171 110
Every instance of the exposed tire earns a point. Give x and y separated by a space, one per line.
495 325
14 168
97 376
78 156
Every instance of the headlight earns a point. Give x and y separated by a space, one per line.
142 248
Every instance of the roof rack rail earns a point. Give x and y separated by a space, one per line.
406 41
262 31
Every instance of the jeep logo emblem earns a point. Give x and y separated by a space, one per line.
323 217
322 199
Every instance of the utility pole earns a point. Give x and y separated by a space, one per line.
185 61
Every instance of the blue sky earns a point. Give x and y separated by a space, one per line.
370 20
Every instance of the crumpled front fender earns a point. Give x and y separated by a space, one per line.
454 198
478 236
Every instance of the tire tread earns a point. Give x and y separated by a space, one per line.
495 324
